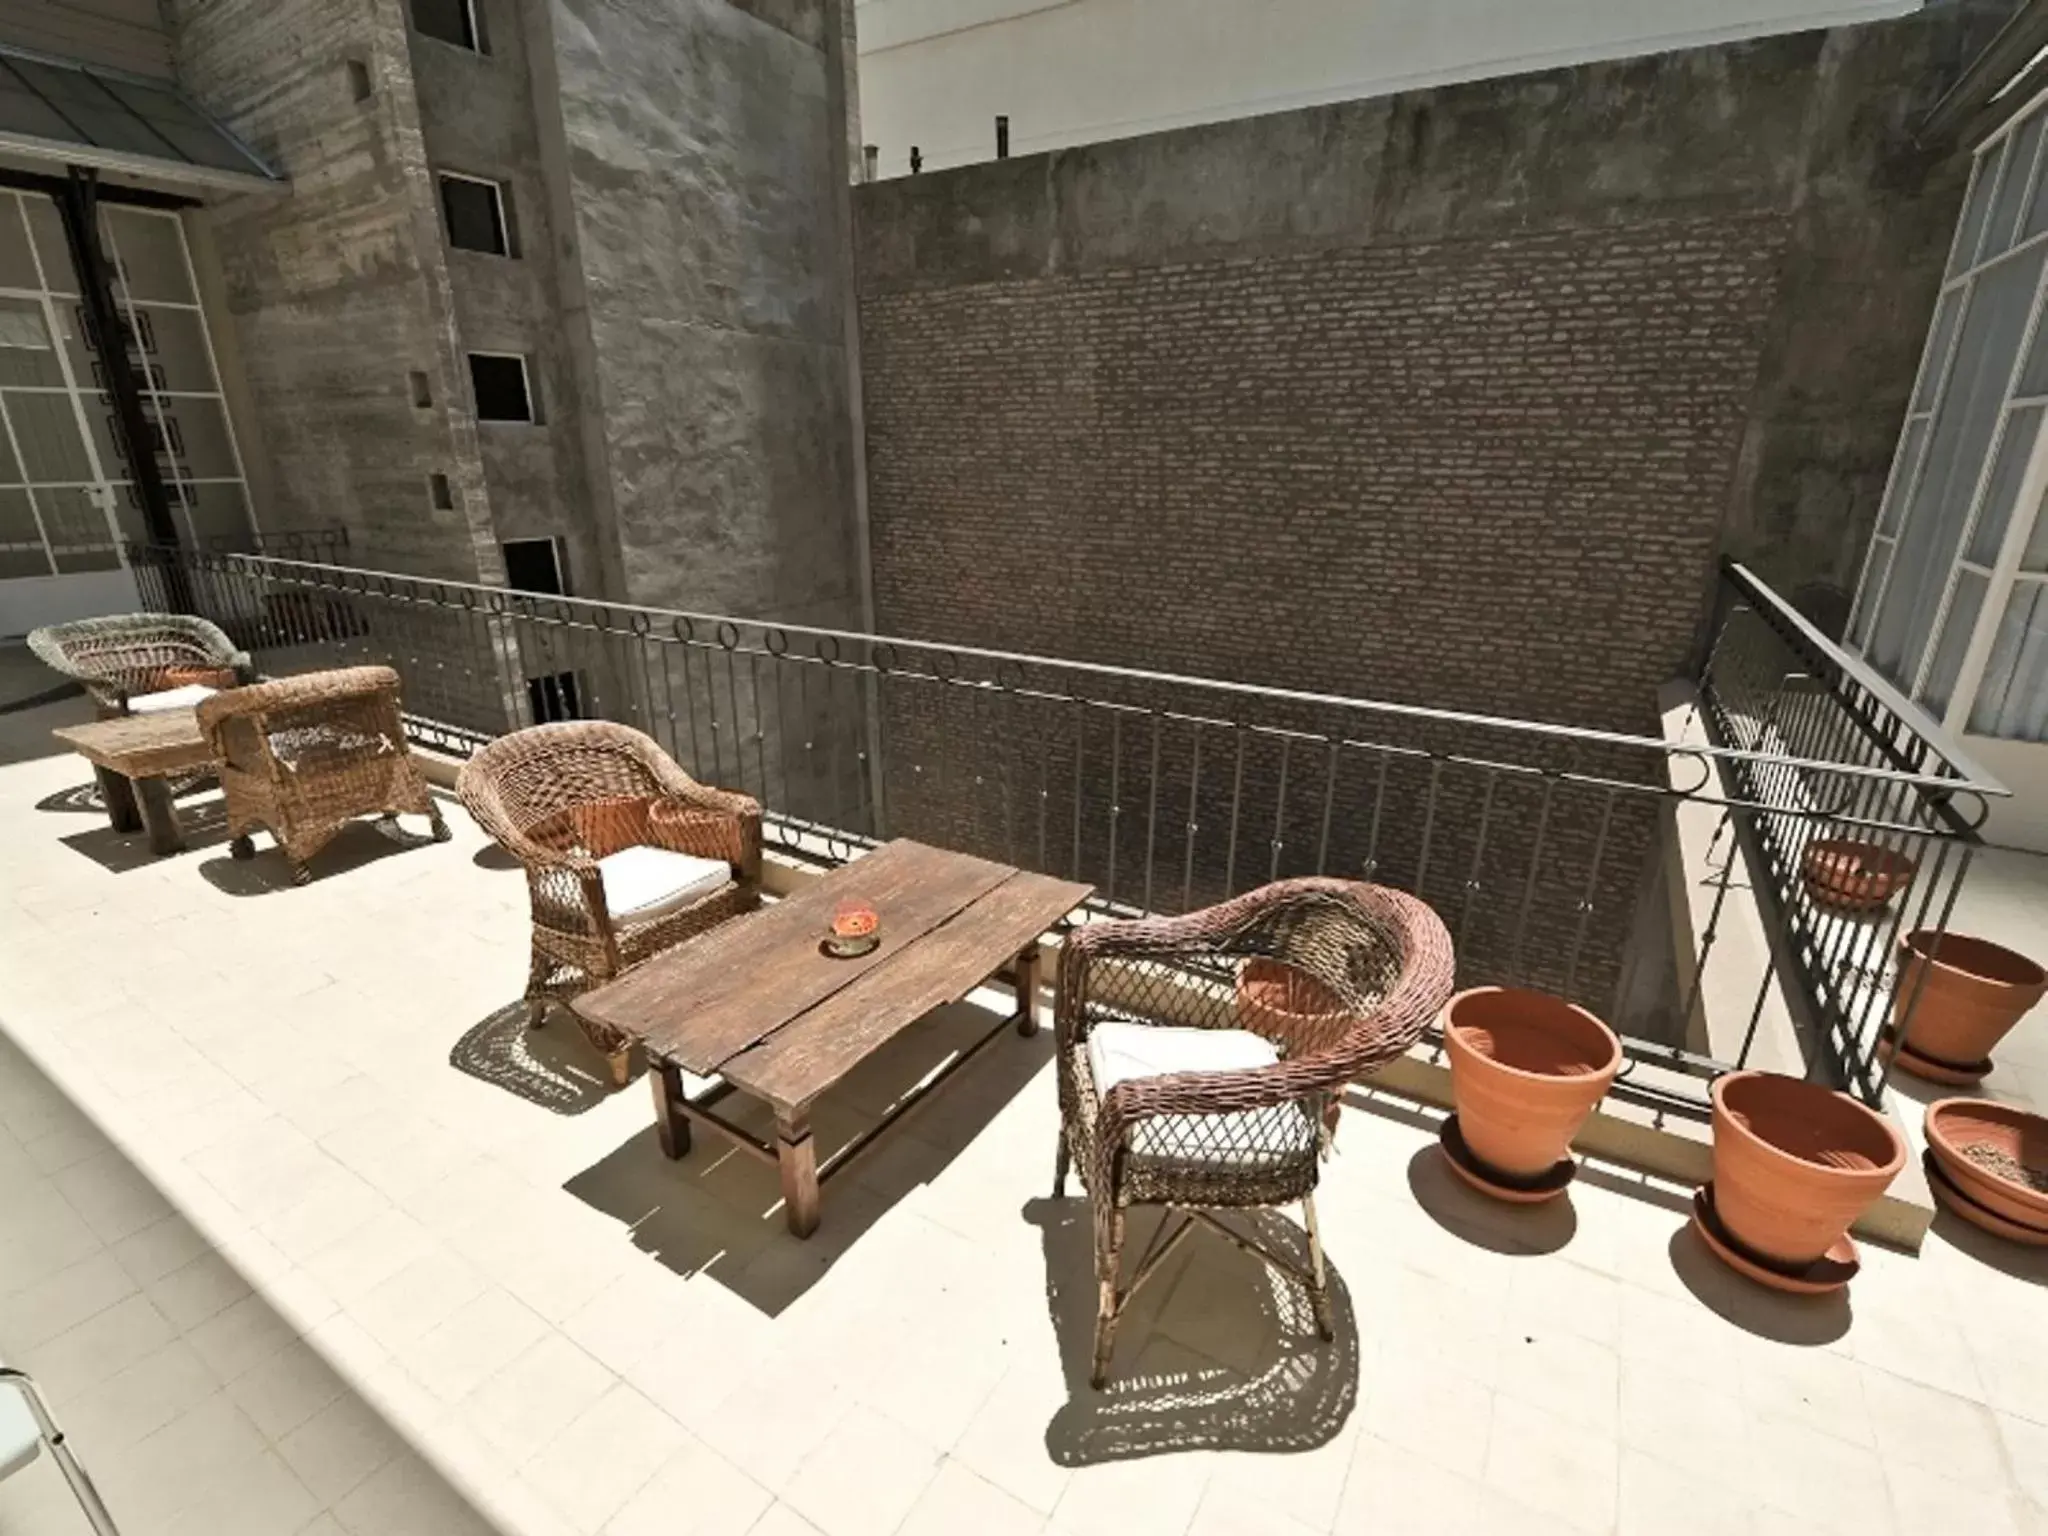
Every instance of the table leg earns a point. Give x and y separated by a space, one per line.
159 816
671 1125
1028 965
797 1158
117 794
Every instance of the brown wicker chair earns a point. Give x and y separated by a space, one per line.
133 655
303 756
565 800
1174 1094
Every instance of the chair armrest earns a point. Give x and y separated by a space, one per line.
710 831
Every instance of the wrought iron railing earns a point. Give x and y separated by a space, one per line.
1544 847
1896 784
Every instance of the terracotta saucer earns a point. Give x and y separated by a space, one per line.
1833 1270
1947 1192
1547 1185
1952 1074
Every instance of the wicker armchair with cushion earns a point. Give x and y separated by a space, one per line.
625 854
136 663
303 756
1172 1093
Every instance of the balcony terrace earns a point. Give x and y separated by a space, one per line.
305 1232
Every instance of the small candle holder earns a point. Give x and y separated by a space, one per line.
855 930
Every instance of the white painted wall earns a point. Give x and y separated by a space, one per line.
936 72
30 602
2022 767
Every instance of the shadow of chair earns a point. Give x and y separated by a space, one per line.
1285 1389
269 871
557 1069
718 1210
203 824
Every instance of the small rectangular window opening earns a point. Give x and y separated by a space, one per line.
422 390
454 22
474 212
443 495
534 565
359 86
499 379
554 697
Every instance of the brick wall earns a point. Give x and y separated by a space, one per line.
1449 399
1478 475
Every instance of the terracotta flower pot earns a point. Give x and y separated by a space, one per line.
1996 1154
1526 1070
1285 1004
1852 875
1795 1164
1973 994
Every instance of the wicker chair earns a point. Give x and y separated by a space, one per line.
1172 1093
125 658
598 814
303 756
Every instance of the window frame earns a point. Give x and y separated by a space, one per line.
556 555
532 418
501 207
479 42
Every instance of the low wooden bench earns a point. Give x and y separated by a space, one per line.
756 1004
132 756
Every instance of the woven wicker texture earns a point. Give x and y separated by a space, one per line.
130 653
1250 1137
303 756
560 797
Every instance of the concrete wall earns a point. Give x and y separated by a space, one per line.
340 289
704 157
134 35
935 72
1449 398
1528 346
478 117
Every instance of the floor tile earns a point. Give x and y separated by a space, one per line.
604 1456
698 1493
1551 1464
864 1477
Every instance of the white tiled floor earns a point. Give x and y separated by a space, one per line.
306 1235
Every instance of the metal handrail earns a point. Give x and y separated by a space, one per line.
1806 638
1968 777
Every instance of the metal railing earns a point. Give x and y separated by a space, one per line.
1545 848
1896 782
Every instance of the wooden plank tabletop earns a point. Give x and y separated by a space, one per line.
140 746
797 1063
703 1002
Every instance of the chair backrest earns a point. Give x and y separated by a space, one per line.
313 721
532 781
131 651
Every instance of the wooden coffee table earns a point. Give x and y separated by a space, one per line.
757 1003
131 756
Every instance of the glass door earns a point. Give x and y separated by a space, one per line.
1952 606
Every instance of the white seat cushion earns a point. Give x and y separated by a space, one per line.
170 698
641 884
20 1438
1119 1051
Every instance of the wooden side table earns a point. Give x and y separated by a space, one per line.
132 756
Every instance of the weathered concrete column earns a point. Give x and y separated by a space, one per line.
703 170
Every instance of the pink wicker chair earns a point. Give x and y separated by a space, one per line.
1174 1093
